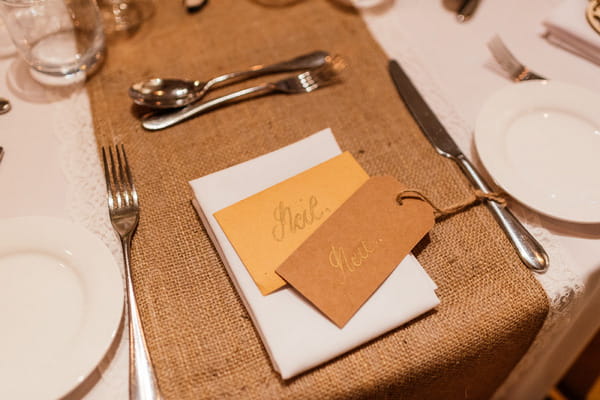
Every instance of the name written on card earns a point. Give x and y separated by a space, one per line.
267 227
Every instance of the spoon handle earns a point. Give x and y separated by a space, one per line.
161 121
306 61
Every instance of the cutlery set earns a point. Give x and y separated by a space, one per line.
175 93
305 82
320 69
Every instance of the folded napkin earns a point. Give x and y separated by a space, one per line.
568 28
296 335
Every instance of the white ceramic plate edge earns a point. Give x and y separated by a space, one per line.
506 103
104 299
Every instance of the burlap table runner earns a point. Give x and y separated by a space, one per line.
200 337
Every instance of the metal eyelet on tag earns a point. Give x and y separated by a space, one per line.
593 14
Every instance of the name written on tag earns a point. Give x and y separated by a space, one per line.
353 251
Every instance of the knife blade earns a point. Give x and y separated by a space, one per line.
528 248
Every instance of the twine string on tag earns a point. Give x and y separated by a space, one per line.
478 197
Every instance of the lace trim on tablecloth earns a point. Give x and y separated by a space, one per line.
86 196
86 202
561 283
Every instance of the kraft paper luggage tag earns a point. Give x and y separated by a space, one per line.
350 255
267 227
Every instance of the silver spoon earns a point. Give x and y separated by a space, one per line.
4 105
174 93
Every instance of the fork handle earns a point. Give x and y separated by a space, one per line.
161 121
142 381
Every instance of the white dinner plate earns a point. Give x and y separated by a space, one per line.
61 301
540 141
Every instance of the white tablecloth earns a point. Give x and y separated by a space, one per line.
51 167
452 66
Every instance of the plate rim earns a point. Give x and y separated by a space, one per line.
102 261
479 138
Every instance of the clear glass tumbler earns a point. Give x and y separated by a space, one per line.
61 40
125 16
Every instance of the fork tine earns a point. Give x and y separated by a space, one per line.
125 186
128 178
108 180
307 81
328 73
117 183
134 195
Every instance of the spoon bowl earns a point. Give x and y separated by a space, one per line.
166 93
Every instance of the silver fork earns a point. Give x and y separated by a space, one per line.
509 63
303 83
124 211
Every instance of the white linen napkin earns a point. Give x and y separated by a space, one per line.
296 335
568 28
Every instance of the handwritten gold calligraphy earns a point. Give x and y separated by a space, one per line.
352 260
289 221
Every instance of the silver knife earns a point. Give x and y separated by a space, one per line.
530 251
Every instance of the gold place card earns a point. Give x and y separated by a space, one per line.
267 227
350 255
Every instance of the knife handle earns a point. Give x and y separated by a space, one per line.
529 249
466 10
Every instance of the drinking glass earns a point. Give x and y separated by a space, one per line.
61 40
7 48
125 16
